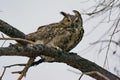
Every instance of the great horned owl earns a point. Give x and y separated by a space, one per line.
64 35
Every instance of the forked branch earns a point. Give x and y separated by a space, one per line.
71 59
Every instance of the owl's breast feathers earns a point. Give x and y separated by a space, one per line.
57 35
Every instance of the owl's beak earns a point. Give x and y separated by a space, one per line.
72 25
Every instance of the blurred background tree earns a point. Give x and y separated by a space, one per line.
107 12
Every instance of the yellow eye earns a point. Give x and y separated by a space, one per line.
67 20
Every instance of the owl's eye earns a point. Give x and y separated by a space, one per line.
68 20
77 21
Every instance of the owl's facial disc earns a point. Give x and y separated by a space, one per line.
67 21
75 22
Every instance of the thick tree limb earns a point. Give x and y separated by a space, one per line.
12 32
71 59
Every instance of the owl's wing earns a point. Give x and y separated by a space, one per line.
45 33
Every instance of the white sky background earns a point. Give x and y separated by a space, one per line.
27 16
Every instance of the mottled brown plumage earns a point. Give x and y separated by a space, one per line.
64 35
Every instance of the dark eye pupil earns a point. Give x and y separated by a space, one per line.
76 20
68 20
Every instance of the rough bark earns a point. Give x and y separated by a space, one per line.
12 32
71 59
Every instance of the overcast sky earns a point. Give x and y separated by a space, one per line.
27 16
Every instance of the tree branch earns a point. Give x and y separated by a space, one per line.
12 32
71 59
23 73
102 41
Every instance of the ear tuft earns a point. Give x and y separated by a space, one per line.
64 14
76 13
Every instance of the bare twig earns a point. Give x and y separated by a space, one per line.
4 41
3 73
117 23
18 39
81 76
102 41
23 73
102 77
15 65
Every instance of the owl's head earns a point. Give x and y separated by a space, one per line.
74 21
